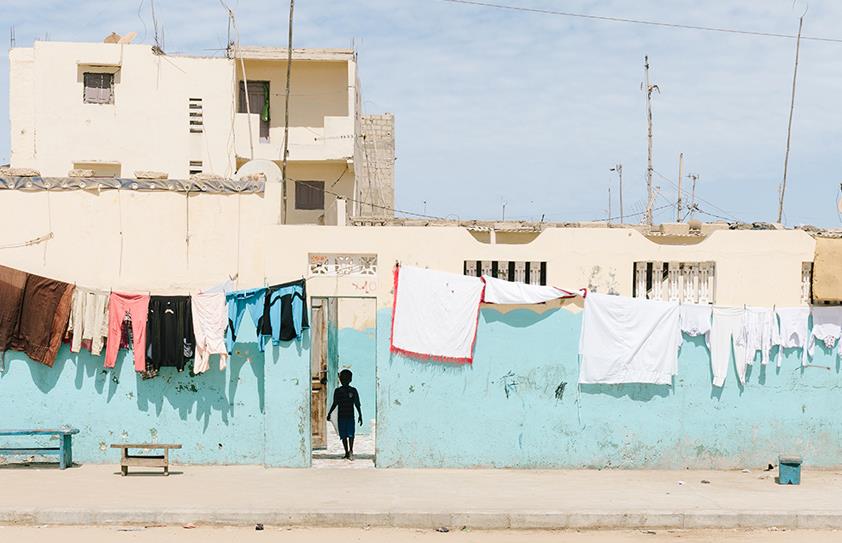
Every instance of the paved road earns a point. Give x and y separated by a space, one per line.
304 535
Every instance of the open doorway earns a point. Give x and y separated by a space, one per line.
344 336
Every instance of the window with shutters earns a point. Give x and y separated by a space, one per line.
689 282
195 167
806 282
195 115
309 195
529 272
99 88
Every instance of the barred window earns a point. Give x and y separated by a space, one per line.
529 272
99 88
690 282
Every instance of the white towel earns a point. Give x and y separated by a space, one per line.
498 291
628 340
435 314
695 321
210 318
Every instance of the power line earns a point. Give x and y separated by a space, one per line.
642 21
630 215
668 180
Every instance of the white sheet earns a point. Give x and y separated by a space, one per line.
498 291
435 314
628 340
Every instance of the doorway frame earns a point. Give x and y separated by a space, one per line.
325 302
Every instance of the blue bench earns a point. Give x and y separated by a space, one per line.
64 449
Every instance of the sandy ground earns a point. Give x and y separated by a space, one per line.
304 535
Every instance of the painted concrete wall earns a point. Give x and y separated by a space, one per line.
255 412
518 405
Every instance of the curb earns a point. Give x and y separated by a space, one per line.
429 520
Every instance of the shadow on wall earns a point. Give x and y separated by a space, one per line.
202 395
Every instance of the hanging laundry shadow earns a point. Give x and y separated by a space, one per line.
518 318
45 377
236 364
638 392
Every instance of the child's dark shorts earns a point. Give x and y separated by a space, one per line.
346 428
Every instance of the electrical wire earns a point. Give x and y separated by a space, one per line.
387 208
626 215
642 21
733 218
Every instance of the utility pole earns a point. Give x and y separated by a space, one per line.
609 202
650 196
680 175
286 116
619 169
694 177
789 126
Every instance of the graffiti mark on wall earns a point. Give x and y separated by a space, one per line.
559 390
365 286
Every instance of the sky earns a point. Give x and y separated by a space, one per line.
529 112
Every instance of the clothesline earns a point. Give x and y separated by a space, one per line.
39 313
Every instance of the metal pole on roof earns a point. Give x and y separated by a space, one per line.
680 175
286 116
789 126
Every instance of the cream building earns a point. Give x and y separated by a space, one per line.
120 109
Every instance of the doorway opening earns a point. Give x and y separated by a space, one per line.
343 331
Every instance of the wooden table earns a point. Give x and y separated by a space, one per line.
64 449
145 460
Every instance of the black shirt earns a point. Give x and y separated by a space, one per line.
346 397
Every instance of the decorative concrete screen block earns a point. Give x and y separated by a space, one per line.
149 174
343 264
827 270
689 282
80 172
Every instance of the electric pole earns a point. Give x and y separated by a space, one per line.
619 169
789 126
609 202
650 196
286 116
680 175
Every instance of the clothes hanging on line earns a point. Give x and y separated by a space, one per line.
12 285
285 311
135 306
88 320
210 319
169 332
760 324
43 310
498 291
792 329
695 321
827 327
727 332
435 314
239 302
628 340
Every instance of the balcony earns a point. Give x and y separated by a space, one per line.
333 141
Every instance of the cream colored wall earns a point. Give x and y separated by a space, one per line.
752 267
338 179
321 122
145 129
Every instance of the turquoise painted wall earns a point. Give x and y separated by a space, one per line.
519 405
255 412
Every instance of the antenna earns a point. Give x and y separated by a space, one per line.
650 195
12 40
609 202
693 208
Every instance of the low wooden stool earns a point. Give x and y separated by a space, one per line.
145 460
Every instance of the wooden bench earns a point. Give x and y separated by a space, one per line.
64 449
145 460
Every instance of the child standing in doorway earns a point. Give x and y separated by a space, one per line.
346 398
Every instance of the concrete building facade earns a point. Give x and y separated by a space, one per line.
119 109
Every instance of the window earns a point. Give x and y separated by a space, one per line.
531 273
309 195
99 88
195 167
258 104
195 113
691 282
806 282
